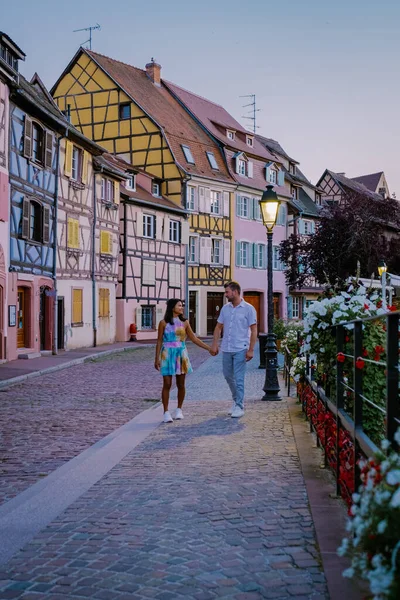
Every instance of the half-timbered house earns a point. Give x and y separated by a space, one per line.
131 113
10 54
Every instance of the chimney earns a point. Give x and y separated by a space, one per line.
153 71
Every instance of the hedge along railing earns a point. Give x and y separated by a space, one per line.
342 436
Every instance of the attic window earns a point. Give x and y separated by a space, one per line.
212 161
188 154
155 188
249 140
131 183
124 111
292 168
230 134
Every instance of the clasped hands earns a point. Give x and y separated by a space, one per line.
213 350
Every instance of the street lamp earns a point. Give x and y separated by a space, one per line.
382 270
269 205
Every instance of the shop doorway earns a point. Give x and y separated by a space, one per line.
215 301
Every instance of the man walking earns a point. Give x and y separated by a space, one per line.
238 320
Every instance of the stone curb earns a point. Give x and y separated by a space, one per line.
76 361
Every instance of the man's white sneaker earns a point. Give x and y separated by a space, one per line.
168 418
178 414
232 408
237 412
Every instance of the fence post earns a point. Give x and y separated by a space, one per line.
339 400
392 376
358 401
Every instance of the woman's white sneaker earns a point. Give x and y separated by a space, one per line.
237 412
178 414
168 418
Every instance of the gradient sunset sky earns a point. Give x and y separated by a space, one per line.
325 74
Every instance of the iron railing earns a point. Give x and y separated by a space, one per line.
339 425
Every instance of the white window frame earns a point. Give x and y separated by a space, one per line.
191 198
273 176
174 227
242 167
216 202
257 210
131 183
244 256
230 134
148 221
260 254
276 263
155 189
174 275
295 192
103 188
76 163
220 260
188 154
295 307
292 169
250 141
194 245
152 311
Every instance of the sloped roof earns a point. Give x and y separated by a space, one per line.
258 180
164 109
144 196
214 117
274 147
370 181
353 185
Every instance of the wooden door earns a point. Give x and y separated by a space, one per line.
215 301
253 298
21 319
277 306
192 310
60 323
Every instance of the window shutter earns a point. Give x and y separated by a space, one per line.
185 230
110 243
208 250
203 252
238 209
116 192
207 201
46 225
250 254
227 253
139 318
237 165
104 242
68 158
85 165
25 218
290 307
107 302
264 257
159 315
155 227
252 209
202 200
28 137
237 253
249 169
301 227
48 154
281 178
180 232
139 224
77 306
226 203
267 172
312 227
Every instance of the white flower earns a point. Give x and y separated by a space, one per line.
356 498
395 502
343 547
382 526
393 478
385 444
348 573
322 349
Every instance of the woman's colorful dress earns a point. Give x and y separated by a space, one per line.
174 355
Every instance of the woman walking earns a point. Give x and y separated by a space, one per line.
171 354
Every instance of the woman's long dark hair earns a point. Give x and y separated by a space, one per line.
169 313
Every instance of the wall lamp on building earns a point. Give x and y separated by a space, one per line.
269 205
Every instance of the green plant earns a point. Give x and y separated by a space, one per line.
279 329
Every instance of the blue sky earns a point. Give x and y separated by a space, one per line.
325 73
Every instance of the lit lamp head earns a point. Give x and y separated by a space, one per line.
269 205
382 268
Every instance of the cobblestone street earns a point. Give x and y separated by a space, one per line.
50 419
204 508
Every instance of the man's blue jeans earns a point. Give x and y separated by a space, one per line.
234 368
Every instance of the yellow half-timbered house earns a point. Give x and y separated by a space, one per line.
131 113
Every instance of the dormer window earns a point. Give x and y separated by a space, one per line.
230 134
295 193
188 154
272 176
292 168
155 188
212 160
131 183
242 167
318 199
249 141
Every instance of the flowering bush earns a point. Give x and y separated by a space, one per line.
298 368
374 528
357 302
290 341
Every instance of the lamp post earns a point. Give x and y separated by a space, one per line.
269 205
382 270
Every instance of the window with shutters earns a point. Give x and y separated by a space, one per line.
109 191
105 242
149 226
73 233
77 307
212 161
193 249
243 207
216 251
242 167
257 210
292 168
104 303
191 198
76 168
244 254
174 275
295 307
259 256
277 265
35 222
215 202
295 192
272 176
174 231
148 272
148 320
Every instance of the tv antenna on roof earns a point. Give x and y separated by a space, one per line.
90 29
251 112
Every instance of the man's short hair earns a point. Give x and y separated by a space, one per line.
234 286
